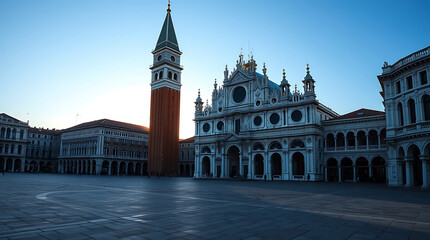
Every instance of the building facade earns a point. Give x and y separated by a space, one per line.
355 147
43 150
406 92
186 157
13 143
165 102
104 147
257 129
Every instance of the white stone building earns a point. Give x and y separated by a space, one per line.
13 143
186 157
406 92
258 129
104 147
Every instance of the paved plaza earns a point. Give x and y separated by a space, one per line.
43 206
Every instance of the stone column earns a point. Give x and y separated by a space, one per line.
370 171
126 168
409 172
117 170
13 165
340 173
325 173
99 164
241 164
249 161
110 168
354 176
134 168
356 141
367 141
425 160
222 162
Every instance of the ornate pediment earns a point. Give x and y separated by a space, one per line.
238 77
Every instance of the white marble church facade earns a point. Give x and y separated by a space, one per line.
257 129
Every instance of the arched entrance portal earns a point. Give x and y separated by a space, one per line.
258 166
181 170
276 163
415 163
347 170
362 169
378 170
298 164
332 170
233 161
114 168
187 170
206 166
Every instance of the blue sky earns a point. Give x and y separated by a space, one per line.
62 58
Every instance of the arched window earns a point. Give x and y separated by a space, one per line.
426 107
156 76
206 149
330 140
275 145
175 77
350 139
361 140
298 164
411 107
8 133
297 144
21 134
400 114
3 132
340 140
161 74
373 138
169 75
14 133
258 146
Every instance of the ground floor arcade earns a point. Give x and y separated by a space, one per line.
259 164
361 169
102 167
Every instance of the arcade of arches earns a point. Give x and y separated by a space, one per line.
414 165
360 170
18 165
106 167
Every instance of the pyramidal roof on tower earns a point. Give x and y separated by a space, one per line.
167 36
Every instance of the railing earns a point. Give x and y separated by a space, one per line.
361 147
350 147
340 148
412 57
330 149
373 147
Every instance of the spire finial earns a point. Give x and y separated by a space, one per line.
199 92
295 88
307 68
283 72
168 7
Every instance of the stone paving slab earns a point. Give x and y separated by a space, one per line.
75 207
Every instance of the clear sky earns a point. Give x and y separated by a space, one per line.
92 58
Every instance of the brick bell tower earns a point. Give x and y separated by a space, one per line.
163 150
